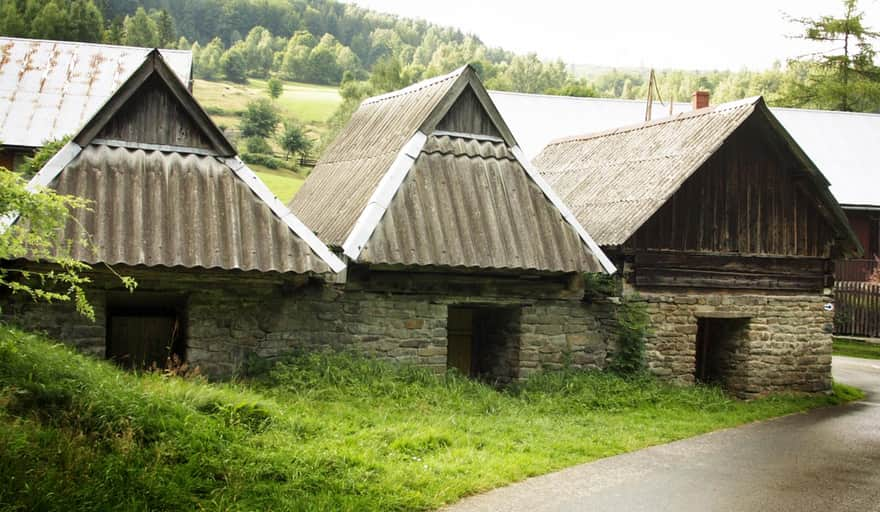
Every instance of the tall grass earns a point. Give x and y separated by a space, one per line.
315 431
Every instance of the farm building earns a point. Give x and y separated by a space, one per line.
726 228
48 89
841 144
212 250
456 246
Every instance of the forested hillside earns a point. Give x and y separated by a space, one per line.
329 42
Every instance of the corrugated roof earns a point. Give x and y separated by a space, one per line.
469 203
379 191
615 180
170 209
339 187
49 89
157 203
841 144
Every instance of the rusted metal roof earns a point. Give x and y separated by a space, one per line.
156 202
469 203
615 180
395 189
49 89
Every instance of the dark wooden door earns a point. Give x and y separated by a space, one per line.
137 341
460 339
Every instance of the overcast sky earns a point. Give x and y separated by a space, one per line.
686 34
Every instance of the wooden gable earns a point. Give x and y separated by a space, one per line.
749 198
153 115
154 110
467 115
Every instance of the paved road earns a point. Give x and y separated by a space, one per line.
824 460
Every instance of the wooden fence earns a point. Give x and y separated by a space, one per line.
857 309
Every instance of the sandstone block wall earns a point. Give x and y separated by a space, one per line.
785 345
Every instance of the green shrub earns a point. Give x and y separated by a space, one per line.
261 159
257 145
632 329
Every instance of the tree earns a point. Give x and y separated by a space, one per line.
234 65
35 237
165 31
274 87
843 77
11 21
293 139
50 22
259 119
140 30
85 22
34 163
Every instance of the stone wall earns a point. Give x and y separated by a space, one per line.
229 316
785 345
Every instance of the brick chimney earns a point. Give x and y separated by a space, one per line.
700 99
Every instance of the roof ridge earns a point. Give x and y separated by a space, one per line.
85 43
717 109
415 87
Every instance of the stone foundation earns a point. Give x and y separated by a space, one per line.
784 343
228 318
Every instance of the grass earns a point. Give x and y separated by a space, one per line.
853 348
283 183
311 104
318 432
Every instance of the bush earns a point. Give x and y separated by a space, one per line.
259 119
632 329
257 145
261 159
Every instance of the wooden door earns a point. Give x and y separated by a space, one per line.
460 339
137 341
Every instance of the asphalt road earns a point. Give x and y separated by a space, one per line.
824 460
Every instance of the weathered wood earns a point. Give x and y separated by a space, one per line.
857 309
680 278
155 116
689 270
467 115
745 199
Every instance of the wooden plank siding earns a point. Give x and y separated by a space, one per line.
155 116
690 270
743 200
467 115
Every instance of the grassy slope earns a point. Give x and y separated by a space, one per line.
311 104
316 433
282 182
851 348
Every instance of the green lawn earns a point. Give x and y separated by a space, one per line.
317 432
853 348
311 104
283 183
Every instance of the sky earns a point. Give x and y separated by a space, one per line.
681 34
